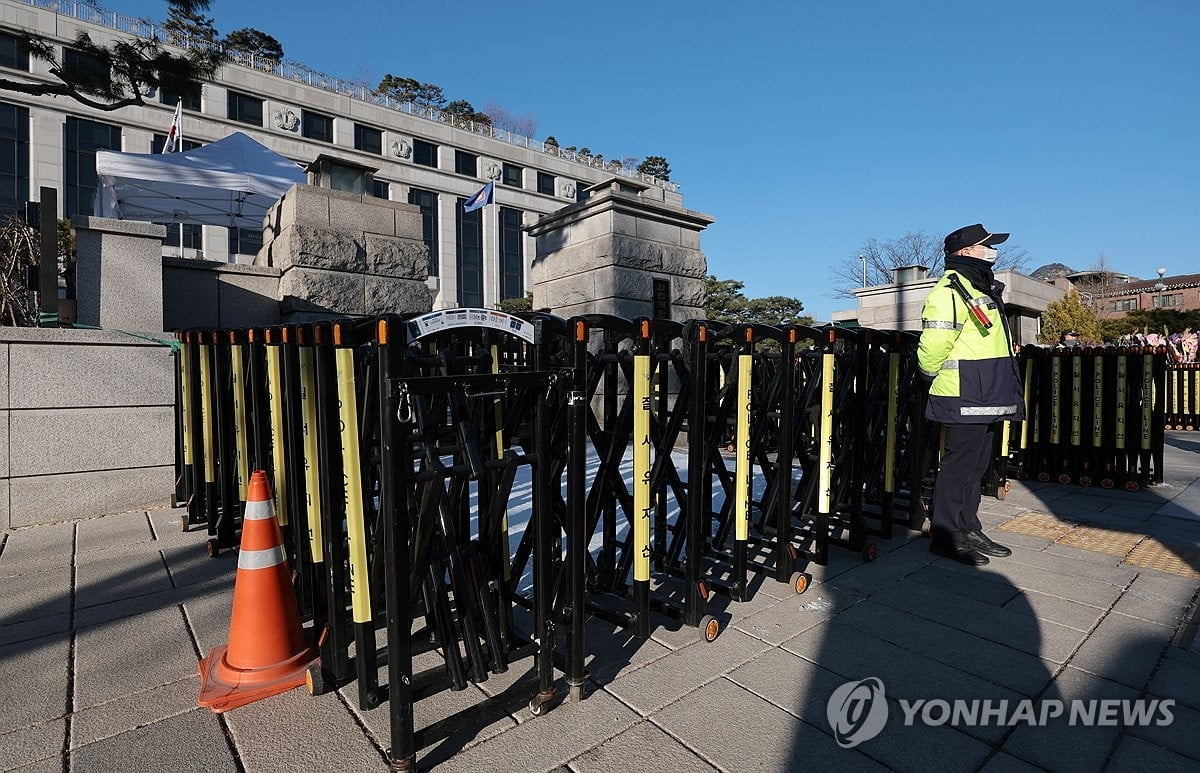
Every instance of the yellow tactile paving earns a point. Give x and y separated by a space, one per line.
1152 554
1106 541
1041 525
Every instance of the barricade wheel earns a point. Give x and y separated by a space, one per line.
710 627
799 582
1106 483
1007 486
1085 480
870 552
1132 485
1044 477
1064 479
213 548
315 681
1001 493
537 706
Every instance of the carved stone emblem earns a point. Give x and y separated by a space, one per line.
401 149
287 120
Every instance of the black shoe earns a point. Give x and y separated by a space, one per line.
964 554
982 543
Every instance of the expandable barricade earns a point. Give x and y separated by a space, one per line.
459 490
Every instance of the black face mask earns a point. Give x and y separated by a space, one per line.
978 272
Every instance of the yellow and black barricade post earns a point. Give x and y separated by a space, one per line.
785 553
208 429
1072 458
335 643
181 494
241 450
577 531
698 515
825 450
396 523
744 384
313 540
362 609
195 451
278 468
221 532
642 509
1120 413
890 447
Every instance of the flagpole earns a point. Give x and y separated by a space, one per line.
179 149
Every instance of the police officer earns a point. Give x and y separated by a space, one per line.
966 355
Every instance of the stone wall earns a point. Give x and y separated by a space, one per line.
602 255
86 424
340 253
205 293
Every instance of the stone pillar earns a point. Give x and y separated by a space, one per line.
118 273
344 254
602 255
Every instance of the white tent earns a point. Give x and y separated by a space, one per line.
231 182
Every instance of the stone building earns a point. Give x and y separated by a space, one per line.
420 157
897 306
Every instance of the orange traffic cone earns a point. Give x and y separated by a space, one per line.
268 652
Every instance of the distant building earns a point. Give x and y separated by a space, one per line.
1115 294
897 306
423 157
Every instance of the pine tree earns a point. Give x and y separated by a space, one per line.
1070 313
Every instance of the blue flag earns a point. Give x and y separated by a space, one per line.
486 195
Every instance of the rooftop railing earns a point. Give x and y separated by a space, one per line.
354 89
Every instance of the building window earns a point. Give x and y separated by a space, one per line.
579 191
245 109
85 69
191 233
14 158
545 183
466 163
13 52
381 189
1125 304
172 98
315 126
244 241
512 175
427 201
512 254
424 153
368 139
1168 301
81 140
470 256
156 144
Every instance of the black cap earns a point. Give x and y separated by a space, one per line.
971 235
1070 333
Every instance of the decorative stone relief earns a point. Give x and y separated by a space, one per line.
492 170
287 120
401 149
567 190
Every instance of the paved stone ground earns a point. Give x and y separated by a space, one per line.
102 621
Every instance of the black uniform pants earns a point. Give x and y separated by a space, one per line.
956 492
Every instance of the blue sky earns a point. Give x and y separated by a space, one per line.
806 127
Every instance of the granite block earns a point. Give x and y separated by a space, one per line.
131 655
85 376
771 738
35 743
52 498
643 747
40 667
186 743
50 442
